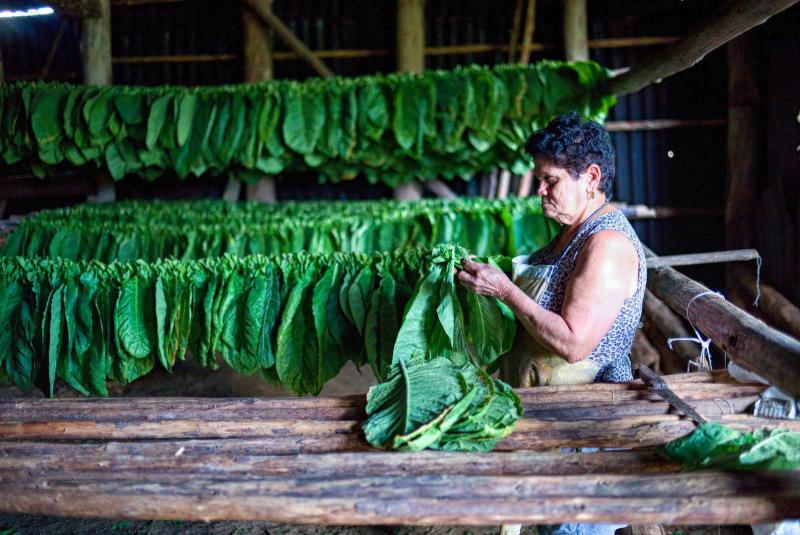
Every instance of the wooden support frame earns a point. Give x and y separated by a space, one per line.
749 342
732 20
576 30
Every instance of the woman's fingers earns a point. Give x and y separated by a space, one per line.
471 266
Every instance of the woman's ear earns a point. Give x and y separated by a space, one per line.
595 176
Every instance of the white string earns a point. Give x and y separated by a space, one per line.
703 361
758 280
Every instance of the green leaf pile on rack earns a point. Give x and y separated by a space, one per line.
151 230
390 128
294 318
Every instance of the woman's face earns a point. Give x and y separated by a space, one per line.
563 197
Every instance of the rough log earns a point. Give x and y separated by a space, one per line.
670 325
696 498
527 33
516 22
643 352
729 22
576 30
749 342
772 304
200 457
271 20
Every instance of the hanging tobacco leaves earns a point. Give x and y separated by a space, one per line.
127 231
388 128
439 403
295 317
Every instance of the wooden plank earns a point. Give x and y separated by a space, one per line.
527 33
515 25
625 432
699 498
660 124
716 257
167 58
749 342
231 458
730 21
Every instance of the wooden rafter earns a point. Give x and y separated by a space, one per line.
733 20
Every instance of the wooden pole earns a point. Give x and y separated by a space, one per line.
731 21
514 41
258 67
576 30
410 35
97 70
2 72
527 35
744 153
441 189
410 48
643 352
751 343
262 11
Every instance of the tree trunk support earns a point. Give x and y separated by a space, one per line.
729 22
576 31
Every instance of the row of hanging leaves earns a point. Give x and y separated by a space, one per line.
127 231
388 128
294 318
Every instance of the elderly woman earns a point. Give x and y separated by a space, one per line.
579 298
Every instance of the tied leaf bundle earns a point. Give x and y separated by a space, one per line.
127 231
294 318
389 128
436 403
714 445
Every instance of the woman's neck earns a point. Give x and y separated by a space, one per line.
591 207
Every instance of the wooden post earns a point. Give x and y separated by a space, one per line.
258 67
410 35
576 31
266 16
744 151
96 56
410 48
527 34
2 74
710 34
517 20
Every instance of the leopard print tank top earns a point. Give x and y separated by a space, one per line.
613 351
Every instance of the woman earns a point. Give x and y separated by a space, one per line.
579 298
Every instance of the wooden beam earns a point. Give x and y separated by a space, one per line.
410 44
670 325
741 255
732 20
576 30
165 58
271 20
515 25
97 70
751 343
660 124
52 54
744 156
258 66
410 49
79 8
527 34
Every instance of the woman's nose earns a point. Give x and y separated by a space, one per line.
541 188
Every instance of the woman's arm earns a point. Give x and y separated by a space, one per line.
606 273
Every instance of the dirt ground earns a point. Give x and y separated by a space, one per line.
188 379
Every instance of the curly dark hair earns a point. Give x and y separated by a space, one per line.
574 143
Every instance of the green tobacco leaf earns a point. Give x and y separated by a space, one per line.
156 118
303 120
297 353
132 318
186 110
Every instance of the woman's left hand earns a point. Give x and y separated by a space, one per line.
484 279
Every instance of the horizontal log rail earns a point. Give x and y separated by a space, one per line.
304 460
185 58
660 124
